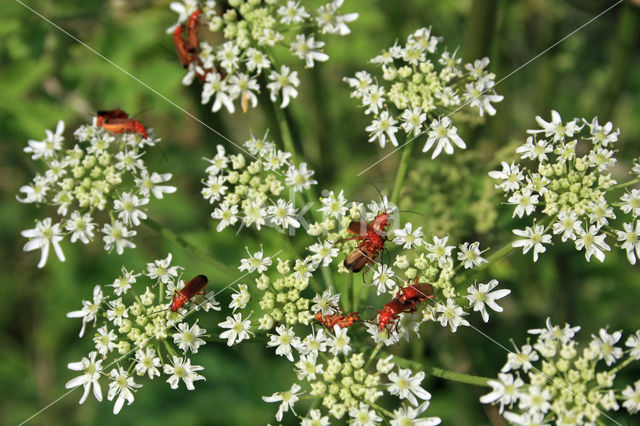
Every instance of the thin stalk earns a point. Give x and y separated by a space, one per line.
373 354
444 374
623 365
285 132
625 184
401 173
172 236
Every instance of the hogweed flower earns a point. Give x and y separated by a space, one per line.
100 185
136 319
569 182
236 67
560 381
251 193
419 89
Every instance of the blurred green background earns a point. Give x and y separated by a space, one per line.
46 76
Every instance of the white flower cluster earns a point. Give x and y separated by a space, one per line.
345 385
138 322
251 192
420 87
569 183
250 30
558 381
100 184
430 262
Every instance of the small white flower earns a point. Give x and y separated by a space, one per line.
89 311
330 22
441 135
382 128
630 239
315 419
326 302
181 369
405 386
532 238
535 400
43 235
632 398
188 338
553 332
47 147
631 202
481 95
333 206
117 311
91 369
525 202
116 234
633 342
363 416
288 398
339 344
603 345
299 178
555 127
105 340
122 384
239 329
505 391
511 175
307 49
482 296
412 120
603 135
283 214
593 244
535 149
451 314
150 184
522 358
81 227
407 237
407 415
284 341
568 224
373 99
147 363
255 262
307 368
227 214
314 343
160 270
470 254
323 253
383 279
284 82
439 251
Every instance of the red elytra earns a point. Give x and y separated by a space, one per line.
192 32
123 125
406 300
191 289
372 237
181 47
338 319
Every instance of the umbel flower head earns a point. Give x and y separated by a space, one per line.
251 191
134 327
565 177
100 184
250 33
419 88
557 380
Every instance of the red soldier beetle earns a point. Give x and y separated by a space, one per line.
192 33
181 47
101 116
372 237
124 125
406 300
338 319
191 289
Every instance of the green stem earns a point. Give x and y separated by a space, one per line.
625 184
401 172
380 409
172 236
442 373
623 365
373 354
285 132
